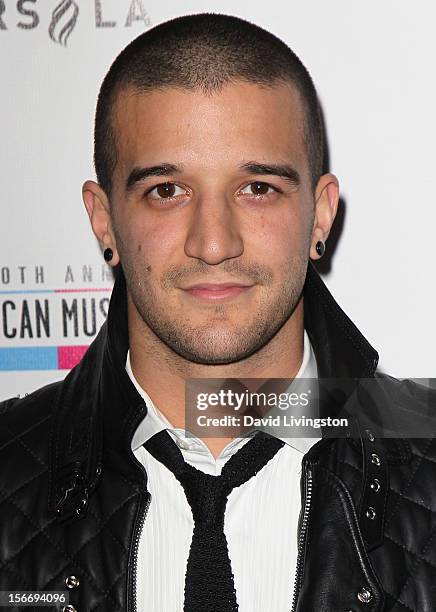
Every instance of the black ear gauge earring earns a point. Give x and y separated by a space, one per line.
320 248
108 254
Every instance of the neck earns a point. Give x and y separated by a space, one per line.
162 372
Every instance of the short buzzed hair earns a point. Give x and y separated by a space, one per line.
203 52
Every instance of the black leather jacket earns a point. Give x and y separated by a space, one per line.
73 497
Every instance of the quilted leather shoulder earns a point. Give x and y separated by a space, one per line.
30 403
25 428
406 562
37 551
24 453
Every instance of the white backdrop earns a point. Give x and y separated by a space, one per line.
373 65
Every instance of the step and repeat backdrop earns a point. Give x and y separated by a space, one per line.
373 65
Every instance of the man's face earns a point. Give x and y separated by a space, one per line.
214 211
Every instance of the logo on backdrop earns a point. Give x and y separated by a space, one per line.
65 16
63 20
47 325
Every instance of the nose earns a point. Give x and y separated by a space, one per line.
214 232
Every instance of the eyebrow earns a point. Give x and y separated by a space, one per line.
140 174
284 171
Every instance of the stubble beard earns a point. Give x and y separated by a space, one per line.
220 339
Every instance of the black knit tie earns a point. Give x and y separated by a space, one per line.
209 583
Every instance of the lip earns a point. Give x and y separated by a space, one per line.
217 291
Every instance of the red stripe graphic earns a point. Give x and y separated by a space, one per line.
69 356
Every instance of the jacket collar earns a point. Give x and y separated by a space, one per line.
341 350
99 401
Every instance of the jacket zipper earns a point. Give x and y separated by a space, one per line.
132 603
301 542
302 535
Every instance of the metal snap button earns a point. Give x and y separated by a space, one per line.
371 513
83 504
375 459
375 485
364 595
72 582
370 435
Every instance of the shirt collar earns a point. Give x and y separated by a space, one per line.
308 369
155 421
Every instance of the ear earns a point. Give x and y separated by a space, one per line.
326 206
98 209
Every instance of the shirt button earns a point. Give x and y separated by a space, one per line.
183 444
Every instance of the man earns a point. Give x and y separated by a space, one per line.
211 201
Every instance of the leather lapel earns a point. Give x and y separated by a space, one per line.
98 404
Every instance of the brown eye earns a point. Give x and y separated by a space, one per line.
166 190
259 188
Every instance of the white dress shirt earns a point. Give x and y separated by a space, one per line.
260 521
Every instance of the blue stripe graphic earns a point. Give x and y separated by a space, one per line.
29 358
27 291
